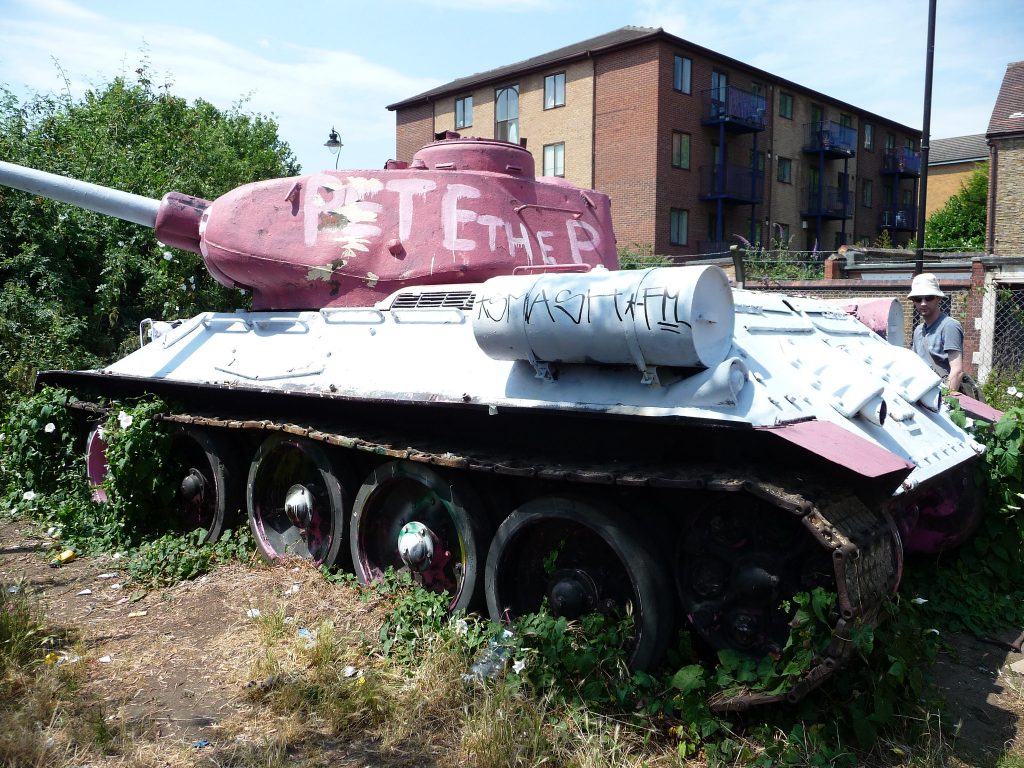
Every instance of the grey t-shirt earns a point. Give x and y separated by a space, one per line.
933 343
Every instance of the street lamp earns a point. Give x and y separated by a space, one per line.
334 144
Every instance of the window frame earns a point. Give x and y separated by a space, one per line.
554 79
675 214
461 102
689 144
682 69
867 193
784 100
869 137
784 162
508 121
784 235
554 147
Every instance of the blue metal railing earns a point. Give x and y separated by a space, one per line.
734 105
903 161
901 219
829 136
731 182
830 201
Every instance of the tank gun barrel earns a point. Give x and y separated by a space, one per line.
175 218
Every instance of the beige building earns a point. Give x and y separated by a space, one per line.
950 163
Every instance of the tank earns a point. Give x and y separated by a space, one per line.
445 371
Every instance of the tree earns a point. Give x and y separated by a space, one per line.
960 223
74 284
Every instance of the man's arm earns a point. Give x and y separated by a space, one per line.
956 370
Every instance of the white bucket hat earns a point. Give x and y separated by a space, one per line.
925 284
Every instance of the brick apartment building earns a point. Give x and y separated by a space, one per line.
692 146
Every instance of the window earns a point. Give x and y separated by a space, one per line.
786 105
554 91
785 172
464 112
757 89
679 221
506 114
681 70
886 197
554 159
757 162
890 142
867 192
909 144
869 136
908 198
680 149
817 114
846 121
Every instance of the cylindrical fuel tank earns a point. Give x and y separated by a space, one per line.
677 316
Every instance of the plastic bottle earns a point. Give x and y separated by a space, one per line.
64 557
492 660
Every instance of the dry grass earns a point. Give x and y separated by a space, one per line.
302 684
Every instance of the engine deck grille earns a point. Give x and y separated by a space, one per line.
435 300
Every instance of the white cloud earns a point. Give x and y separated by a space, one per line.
307 90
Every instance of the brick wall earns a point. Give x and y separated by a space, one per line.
626 141
414 128
571 124
1009 228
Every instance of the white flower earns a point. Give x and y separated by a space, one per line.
3 436
919 601
968 422
124 419
50 427
1019 395
461 627
29 495
1011 391
168 256
518 666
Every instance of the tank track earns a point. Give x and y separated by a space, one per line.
864 544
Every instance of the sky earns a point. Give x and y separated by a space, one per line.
316 65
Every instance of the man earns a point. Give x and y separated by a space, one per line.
939 339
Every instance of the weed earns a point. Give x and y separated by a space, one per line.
170 558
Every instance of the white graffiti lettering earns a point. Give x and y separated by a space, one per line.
577 246
452 216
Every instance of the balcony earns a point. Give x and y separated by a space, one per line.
902 163
827 203
731 184
737 110
831 138
899 220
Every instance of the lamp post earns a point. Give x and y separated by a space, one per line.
334 144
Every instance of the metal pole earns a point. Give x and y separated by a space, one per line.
925 138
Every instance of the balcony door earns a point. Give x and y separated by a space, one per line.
719 93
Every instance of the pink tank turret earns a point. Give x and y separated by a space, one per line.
463 211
